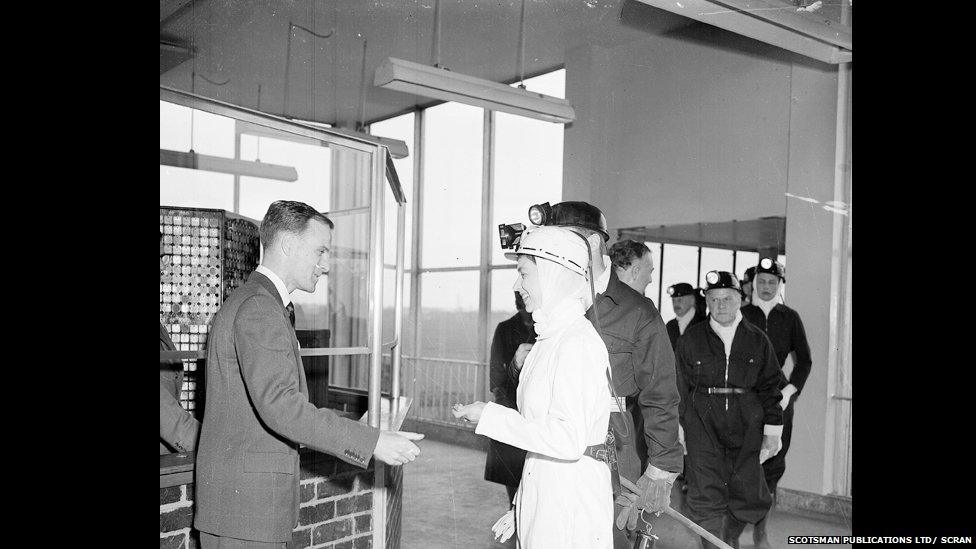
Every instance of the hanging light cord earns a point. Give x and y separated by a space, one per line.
437 34
362 91
521 62
291 27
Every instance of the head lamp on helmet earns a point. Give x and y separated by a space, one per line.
680 289
769 266
720 279
570 214
555 244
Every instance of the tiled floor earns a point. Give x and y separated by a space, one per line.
448 505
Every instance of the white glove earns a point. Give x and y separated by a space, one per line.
771 445
787 392
504 527
681 439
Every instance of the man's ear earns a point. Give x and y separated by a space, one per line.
287 242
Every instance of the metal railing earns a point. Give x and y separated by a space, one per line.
436 384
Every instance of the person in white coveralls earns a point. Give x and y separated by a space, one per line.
565 497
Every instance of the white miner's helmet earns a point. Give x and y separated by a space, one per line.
555 244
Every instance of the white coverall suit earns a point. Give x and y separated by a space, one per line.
564 499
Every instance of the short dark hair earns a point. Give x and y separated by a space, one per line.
623 253
288 215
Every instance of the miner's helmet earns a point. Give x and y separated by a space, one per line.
750 274
570 214
767 265
680 289
555 244
721 279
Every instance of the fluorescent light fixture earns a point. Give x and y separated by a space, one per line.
196 161
418 79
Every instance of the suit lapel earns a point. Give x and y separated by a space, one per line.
270 287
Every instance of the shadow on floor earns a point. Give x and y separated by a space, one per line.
447 504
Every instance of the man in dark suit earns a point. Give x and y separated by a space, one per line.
247 468
642 364
178 428
785 329
513 338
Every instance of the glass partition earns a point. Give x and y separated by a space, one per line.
337 324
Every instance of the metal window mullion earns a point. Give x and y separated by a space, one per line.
487 194
698 275
660 285
419 126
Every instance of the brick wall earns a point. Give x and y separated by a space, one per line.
335 510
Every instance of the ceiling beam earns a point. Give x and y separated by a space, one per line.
745 23
789 17
169 9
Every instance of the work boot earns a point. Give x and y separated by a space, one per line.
731 532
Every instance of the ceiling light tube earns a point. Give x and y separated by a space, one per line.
196 161
405 76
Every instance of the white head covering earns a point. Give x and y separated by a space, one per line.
561 258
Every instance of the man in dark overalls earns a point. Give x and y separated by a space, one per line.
785 329
642 365
511 343
729 381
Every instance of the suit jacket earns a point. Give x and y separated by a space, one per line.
642 362
247 468
178 429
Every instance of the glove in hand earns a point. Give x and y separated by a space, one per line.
628 515
771 446
655 494
505 526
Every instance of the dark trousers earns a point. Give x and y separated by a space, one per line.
722 481
775 467
629 467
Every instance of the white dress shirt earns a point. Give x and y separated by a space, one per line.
278 283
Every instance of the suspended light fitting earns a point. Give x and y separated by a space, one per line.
440 83
195 161
405 76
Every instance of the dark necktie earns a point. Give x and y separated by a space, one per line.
291 313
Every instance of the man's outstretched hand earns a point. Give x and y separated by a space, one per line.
394 448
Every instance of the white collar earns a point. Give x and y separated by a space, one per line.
278 283
684 320
727 333
766 306
602 281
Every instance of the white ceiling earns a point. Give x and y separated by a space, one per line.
240 46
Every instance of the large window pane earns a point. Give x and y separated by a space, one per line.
528 162
449 315
680 264
714 259
452 187
400 128
743 261
213 135
312 162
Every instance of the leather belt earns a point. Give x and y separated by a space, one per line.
597 452
721 390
